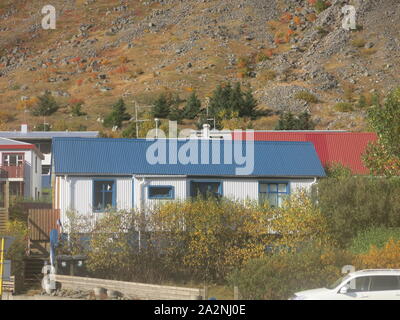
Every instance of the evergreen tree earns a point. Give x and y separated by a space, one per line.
175 113
305 122
161 107
288 121
117 115
46 106
229 100
236 101
249 106
193 107
220 100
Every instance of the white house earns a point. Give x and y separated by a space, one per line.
88 175
21 165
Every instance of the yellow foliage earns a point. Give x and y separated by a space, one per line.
387 257
27 104
298 221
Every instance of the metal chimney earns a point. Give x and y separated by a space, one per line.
206 131
24 128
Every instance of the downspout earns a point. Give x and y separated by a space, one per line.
311 186
141 208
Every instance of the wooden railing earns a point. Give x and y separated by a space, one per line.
12 171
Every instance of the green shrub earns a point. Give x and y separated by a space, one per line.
377 236
354 204
279 276
46 106
337 170
321 5
306 96
343 107
16 253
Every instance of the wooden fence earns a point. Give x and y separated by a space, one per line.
133 290
41 222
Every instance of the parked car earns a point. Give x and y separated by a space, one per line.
372 284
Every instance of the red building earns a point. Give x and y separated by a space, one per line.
342 147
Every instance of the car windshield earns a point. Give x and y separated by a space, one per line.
337 282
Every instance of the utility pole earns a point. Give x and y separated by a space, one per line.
139 120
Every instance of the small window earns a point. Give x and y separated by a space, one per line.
206 189
384 283
274 193
161 192
103 194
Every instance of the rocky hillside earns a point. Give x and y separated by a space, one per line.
293 56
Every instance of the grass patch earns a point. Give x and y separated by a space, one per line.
306 96
343 107
358 42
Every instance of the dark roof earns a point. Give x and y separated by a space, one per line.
346 148
128 157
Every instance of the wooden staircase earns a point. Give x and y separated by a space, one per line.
4 207
33 271
3 220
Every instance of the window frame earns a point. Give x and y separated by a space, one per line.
220 188
114 193
268 183
17 154
171 194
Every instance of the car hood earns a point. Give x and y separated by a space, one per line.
314 292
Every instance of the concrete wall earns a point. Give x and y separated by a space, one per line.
133 290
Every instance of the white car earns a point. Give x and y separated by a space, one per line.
376 284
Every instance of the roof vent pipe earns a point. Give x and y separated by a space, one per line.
24 128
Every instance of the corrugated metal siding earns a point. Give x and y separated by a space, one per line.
346 148
179 184
237 189
76 192
124 193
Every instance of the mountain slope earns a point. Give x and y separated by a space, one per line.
102 50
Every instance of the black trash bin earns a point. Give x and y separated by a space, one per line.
78 266
63 264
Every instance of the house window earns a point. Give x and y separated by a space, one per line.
13 159
161 192
206 189
103 194
274 193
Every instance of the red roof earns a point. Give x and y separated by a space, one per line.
346 148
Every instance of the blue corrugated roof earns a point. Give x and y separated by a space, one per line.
128 157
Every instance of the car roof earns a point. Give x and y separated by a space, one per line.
376 272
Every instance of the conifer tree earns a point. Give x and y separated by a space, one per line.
193 107
161 107
117 115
